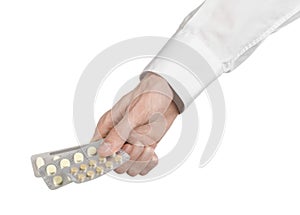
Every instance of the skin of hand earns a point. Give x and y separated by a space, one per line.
136 123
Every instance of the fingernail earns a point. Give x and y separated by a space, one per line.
105 149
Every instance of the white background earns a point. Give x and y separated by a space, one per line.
45 46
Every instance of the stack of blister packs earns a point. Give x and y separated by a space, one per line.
77 164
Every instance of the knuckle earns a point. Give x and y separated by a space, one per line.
149 152
105 117
149 149
155 160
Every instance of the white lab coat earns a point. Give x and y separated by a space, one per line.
224 33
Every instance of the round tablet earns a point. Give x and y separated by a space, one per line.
78 157
74 170
118 158
51 169
64 163
91 151
39 162
57 180
102 159
99 170
81 177
83 167
90 174
109 165
92 163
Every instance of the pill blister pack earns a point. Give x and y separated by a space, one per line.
77 164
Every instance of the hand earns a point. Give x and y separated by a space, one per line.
136 123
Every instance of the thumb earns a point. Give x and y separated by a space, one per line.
116 138
104 125
111 118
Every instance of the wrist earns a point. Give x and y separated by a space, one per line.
150 78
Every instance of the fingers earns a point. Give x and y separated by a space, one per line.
142 160
116 137
142 118
152 132
120 133
105 124
141 163
147 135
153 163
134 152
127 148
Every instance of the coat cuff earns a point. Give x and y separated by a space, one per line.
186 70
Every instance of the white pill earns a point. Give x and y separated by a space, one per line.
74 170
99 170
91 151
39 162
118 159
57 180
90 174
92 163
83 167
51 169
78 157
109 165
64 163
81 177
102 159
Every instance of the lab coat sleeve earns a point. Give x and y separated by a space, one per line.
224 33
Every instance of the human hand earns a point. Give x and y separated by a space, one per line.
136 123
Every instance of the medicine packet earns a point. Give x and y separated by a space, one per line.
77 164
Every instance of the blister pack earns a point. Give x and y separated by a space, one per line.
77 164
